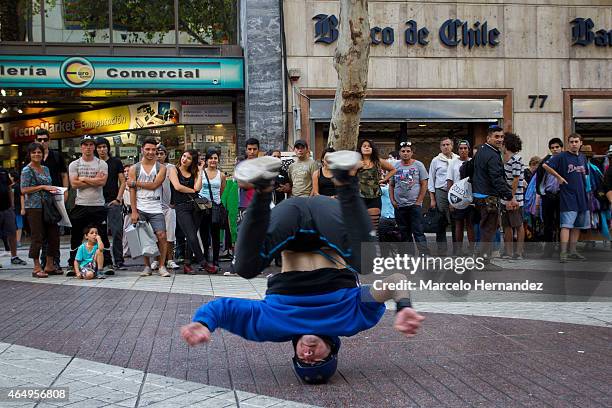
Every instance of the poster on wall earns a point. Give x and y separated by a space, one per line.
206 114
154 114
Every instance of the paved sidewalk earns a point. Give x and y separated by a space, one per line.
92 384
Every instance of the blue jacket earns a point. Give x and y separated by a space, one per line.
279 318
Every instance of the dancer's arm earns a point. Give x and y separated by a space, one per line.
355 218
248 261
238 316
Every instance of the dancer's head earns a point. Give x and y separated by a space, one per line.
316 357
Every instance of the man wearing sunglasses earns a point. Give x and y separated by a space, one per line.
316 298
59 177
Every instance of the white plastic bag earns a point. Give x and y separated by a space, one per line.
460 194
61 207
141 240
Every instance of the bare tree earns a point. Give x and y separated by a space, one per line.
351 63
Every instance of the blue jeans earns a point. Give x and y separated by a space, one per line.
410 222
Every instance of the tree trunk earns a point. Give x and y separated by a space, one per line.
351 63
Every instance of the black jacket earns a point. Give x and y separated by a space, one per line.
540 174
489 176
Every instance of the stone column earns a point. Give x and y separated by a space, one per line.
264 79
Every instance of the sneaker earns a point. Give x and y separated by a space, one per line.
163 272
119 266
259 171
343 160
147 271
108 270
18 261
226 255
574 256
100 276
505 256
518 257
563 257
211 269
154 265
228 273
172 265
70 272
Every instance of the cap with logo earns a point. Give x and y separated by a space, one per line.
319 372
87 139
300 142
162 148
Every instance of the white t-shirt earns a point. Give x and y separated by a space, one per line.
149 201
88 196
453 169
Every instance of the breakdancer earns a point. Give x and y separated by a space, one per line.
317 297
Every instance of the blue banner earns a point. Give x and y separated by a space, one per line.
121 73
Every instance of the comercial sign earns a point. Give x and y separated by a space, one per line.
452 33
120 73
99 121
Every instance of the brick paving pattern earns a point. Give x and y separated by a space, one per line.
455 361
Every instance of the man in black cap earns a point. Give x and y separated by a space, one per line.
300 172
113 200
59 177
88 175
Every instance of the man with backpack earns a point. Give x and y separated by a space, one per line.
145 182
547 186
489 185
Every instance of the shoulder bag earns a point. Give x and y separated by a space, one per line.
51 214
218 212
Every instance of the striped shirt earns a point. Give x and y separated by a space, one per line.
514 167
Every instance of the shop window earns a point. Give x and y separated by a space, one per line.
207 22
143 22
20 20
76 21
219 137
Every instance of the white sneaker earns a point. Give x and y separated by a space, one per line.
172 265
258 170
163 272
147 271
154 265
342 159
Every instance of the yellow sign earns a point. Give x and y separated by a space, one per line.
99 121
72 124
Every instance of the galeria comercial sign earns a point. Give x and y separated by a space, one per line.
120 73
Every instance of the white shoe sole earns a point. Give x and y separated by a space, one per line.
261 168
343 160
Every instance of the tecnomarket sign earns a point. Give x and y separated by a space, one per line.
121 73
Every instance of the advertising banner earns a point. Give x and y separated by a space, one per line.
121 73
99 121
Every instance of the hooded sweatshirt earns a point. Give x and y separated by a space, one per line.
438 172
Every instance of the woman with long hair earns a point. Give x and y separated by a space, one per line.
35 182
322 183
213 184
370 178
185 183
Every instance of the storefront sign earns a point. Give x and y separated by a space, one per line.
115 119
452 32
206 114
582 33
120 73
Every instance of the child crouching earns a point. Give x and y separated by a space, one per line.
89 257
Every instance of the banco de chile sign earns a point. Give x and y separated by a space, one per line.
452 33
18 71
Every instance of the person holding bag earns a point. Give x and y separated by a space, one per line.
213 184
35 183
185 182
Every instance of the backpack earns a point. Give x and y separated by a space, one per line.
467 170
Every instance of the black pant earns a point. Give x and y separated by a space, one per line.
189 222
551 216
410 222
81 217
209 230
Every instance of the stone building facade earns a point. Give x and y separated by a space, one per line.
548 74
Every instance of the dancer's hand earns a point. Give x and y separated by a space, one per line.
195 333
408 321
